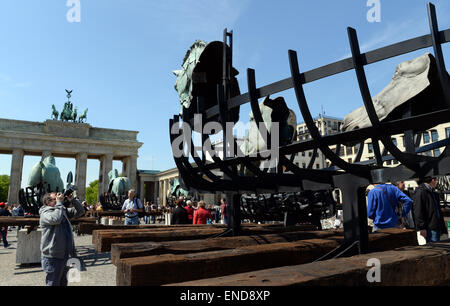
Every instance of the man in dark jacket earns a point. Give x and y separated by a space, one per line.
428 215
4 230
179 215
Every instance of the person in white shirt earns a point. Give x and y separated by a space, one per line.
132 207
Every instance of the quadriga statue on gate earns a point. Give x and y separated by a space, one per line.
46 174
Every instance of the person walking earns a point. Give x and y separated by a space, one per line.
131 207
428 215
4 230
223 208
180 215
190 211
382 206
201 215
57 243
408 221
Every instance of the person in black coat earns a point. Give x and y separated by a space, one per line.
179 215
4 212
429 218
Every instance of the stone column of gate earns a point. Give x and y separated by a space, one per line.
142 190
106 162
132 168
165 194
155 192
15 178
80 175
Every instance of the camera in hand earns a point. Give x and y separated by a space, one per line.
67 193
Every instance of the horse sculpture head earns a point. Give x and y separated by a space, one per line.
46 174
201 73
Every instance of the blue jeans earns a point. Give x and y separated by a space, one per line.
56 271
131 221
433 236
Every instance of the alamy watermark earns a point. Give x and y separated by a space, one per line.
182 144
73 275
374 273
74 13
374 14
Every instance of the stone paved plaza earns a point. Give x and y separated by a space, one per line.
97 269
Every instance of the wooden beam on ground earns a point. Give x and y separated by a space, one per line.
102 240
426 265
140 249
24 221
88 228
169 268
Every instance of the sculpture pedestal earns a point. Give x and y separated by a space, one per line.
168 218
28 247
115 222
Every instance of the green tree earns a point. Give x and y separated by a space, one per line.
92 192
4 188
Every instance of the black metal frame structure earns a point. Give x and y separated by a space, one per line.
351 178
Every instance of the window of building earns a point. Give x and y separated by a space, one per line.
303 153
395 162
447 132
429 153
394 141
436 152
304 165
350 160
389 162
370 147
317 166
426 137
310 154
434 136
342 151
349 150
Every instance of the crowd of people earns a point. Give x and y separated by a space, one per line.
391 205
188 212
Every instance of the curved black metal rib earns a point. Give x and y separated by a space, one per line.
411 161
313 159
186 170
443 76
360 170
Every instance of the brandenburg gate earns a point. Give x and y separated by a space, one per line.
71 140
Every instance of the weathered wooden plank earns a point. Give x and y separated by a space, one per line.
129 250
102 240
23 221
169 268
427 265
88 228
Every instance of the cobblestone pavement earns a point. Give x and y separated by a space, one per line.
96 269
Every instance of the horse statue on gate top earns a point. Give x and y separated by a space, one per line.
55 113
83 116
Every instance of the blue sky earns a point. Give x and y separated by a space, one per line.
119 59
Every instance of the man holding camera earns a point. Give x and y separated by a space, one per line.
57 238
